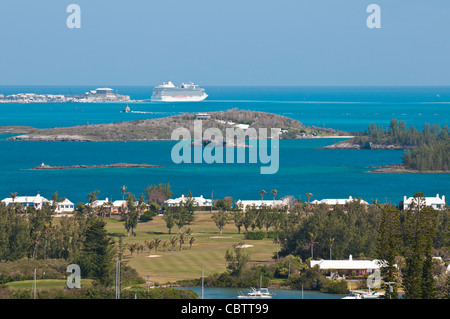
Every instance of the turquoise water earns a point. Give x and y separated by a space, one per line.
304 167
232 293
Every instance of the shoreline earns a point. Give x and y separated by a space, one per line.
400 168
44 167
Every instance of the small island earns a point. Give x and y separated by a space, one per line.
159 129
426 151
118 165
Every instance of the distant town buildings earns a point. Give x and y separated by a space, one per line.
98 95
434 202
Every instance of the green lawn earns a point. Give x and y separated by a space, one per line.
45 283
208 250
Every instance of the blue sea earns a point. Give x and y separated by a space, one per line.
304 166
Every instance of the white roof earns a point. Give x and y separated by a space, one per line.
259 202
38 199
428 200
347 264
64 202
337 201
198 200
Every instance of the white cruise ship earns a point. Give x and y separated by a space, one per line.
167 92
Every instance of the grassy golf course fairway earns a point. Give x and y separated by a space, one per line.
208 249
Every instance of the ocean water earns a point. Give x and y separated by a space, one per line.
232 293
304 166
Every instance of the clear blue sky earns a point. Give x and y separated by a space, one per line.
232 42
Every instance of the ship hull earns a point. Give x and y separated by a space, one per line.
179 98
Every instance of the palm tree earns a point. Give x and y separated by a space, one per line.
157 241
274 194
181 240
150 245
164 244
309 195
132 248
312 238
191 241
331 241
173 241
262 192
13 196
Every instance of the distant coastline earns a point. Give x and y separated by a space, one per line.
118 165
402 168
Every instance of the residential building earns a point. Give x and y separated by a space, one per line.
259 203
434 202
198 201
347 267
338 201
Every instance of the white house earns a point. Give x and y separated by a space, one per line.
100 202
66 206
28 201
434 202
337 201
347 266
199 201
38 202
259 203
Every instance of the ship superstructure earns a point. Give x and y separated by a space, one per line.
168 92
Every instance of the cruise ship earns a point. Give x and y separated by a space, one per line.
167 92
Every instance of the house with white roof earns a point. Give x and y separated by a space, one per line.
198 201
347 267
260 203
66 206
434 202
28 201
38 202
337 201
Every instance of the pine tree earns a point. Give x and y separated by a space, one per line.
98 253
388 246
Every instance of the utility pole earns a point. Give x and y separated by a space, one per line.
118 286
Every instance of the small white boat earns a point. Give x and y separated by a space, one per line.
353 295
262 293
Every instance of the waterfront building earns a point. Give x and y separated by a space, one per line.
198 201
434 202
337 201
347 267
27 201
38 202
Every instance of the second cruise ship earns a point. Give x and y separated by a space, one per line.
167 92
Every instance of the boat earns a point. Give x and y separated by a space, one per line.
262 293
353 295
168 92
126 110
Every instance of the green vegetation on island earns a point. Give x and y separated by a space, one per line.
424 151
162 128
